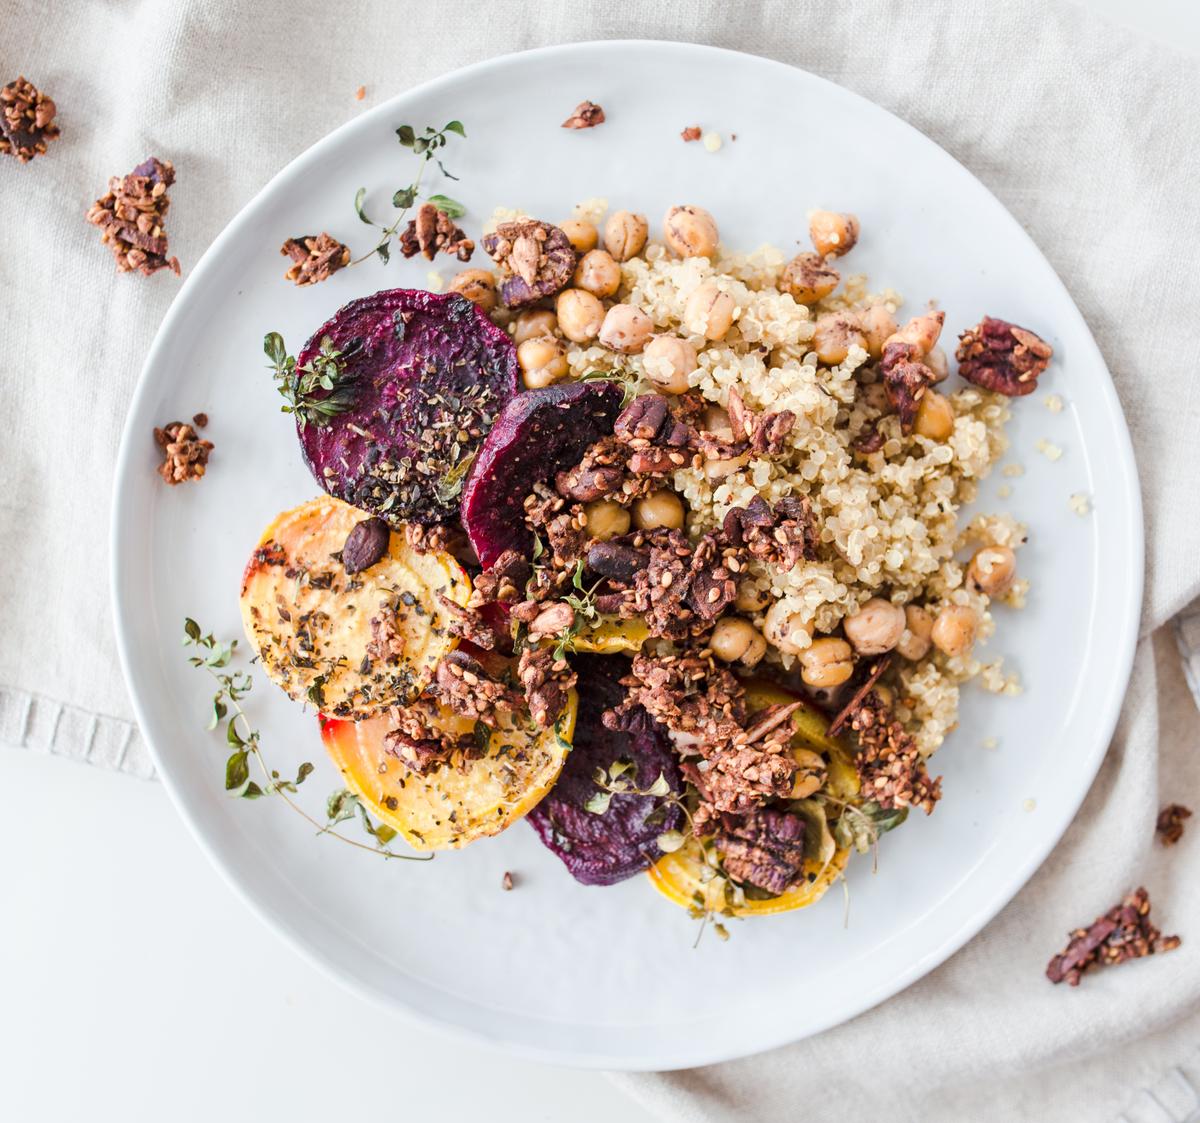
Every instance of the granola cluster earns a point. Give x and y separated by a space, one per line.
537 258
547 680
586 115
315 258
890 767
433 232
26 120
131 218
1124 932
1002 357
185 454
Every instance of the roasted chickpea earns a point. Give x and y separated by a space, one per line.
690 232
582 235
935 417
832 232
954 629
992 570
809 279
667 361
625 234
828 661
626 329
810 774
750 598
921 331
533 322
477 285
543 360
735 640
658 509
876 627
834 334
937 362
918 624
606 519
580 315
598 273
878 324
787 630
709 311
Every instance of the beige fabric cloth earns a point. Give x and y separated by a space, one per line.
1093 141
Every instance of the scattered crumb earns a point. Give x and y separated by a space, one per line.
200 420
1053 403
131 218
185 455
1079 503
1029 805
587 115
712 141
692 132
315 258
590 210
26 120
360 93
434 281
1124 932
990 742
1012 471
733 136
1048 449
1004 491
1015 597
1169 826
506 883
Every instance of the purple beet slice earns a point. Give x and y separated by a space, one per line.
537 435
602 849
428 374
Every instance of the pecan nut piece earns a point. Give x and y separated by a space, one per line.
366 543
1002 357
315 258
433 231
538 257
586 483
765 849
648 419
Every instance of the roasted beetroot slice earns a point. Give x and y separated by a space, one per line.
426 369
535 436
604 849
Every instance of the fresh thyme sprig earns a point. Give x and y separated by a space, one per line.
232 686
325 373
425 145
583 601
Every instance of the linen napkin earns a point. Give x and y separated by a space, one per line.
1091 138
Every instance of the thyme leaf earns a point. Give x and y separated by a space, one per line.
316 391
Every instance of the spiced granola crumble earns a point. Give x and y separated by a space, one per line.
1169 826
586 115
26 120
185 454
1124 932
315 258
131 217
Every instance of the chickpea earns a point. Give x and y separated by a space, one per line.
886 694
918 623
750 598
935 417
598 273
827 662
787 630
543 361
658 509
921 331
690 232
582 235
810 773
477 285
667 361
992 570
832 232
709 311
877 325
954 629
809 279
580 315
533 322
626 329
833 336
876 627
735 640
606 519
937 362
625 234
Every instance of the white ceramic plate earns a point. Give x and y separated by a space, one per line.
553 970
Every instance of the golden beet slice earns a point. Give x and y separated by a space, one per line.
447 808
350 645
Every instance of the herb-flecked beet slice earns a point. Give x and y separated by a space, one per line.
429 373
604 849
538 434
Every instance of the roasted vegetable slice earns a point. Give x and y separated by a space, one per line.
538 434
423 376
349 644
448 808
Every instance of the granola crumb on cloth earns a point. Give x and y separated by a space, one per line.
1123 933
26 120
185 455
131 218
1169 826
315 257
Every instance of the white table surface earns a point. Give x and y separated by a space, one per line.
135 986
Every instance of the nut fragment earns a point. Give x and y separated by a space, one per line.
1003 357
131 217
433 231
539 258
26 120
587 115
185 455
315 257
366 543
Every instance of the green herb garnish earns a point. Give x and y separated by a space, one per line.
316 391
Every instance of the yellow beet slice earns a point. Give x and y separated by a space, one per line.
447 809
310 622
612 635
